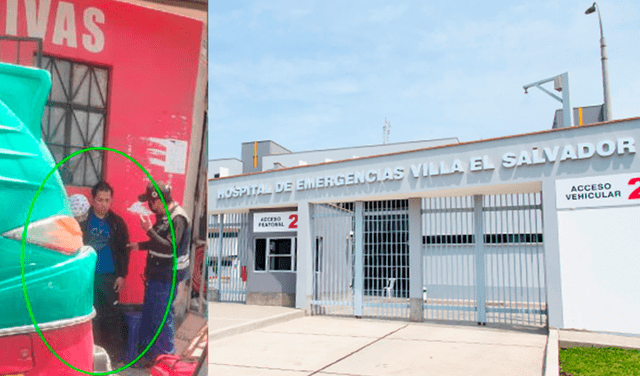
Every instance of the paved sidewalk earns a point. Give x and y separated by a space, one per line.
226 319
323 345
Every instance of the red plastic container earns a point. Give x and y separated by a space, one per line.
173 365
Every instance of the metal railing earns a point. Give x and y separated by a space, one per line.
227 256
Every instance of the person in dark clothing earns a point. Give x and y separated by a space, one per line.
107 233
159 269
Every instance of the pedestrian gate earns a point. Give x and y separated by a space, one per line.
227 256
365 275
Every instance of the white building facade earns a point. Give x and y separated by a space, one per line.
539 229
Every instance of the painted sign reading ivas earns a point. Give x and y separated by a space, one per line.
39 14
597 191
275 222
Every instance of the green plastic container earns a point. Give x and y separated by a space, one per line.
59 286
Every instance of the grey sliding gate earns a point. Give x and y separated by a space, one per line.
483 259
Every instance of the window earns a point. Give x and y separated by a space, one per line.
295 254
226 263
488 239
261 254
280 256
275 254
448 239
214 233
319 254
75 118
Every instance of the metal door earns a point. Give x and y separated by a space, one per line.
514 259
228 254
449 259
334 258
361 261
386 258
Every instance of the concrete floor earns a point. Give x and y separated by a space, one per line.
324 345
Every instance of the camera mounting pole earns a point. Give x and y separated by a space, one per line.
560 83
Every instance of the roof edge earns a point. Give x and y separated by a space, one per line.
568 129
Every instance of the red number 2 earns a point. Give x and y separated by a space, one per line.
635 195
294 223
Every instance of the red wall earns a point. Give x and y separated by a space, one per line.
153 61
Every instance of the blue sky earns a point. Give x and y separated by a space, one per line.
325 74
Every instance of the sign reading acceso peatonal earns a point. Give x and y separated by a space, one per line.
275 222
611 190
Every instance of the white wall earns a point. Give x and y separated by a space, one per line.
600 268
328 155
224 167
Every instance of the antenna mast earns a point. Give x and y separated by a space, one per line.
386 129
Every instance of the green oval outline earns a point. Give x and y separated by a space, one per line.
22 260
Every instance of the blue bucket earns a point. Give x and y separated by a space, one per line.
133 329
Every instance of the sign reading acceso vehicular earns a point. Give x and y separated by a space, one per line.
612 190
275 222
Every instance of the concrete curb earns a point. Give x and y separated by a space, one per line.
253 325
551 360
575 338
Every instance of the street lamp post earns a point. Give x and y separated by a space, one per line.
605 64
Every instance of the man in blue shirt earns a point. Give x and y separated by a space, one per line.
107 233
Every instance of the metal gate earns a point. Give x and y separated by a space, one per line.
227 256
449 257
334 259
483 259
361 262
386 258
